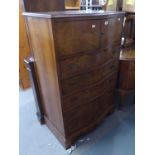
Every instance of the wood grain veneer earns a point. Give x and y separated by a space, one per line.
76 59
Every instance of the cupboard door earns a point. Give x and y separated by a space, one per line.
111 32
76 37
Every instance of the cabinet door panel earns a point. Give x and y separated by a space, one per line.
111 32
78 36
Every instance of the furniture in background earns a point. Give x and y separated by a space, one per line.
129 30
126 75
111 5
90 4
43 5
50 5
128 5
72 4
30 64
24 51
76 59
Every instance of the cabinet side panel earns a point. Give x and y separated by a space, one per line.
44 55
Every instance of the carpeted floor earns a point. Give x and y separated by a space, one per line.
114 136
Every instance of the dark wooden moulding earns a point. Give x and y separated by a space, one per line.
76 60
43 5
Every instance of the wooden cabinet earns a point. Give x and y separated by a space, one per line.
76 59
126 76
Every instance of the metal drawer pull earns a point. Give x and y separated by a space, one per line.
119 19
106 23
93 26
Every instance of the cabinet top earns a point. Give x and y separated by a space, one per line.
77 13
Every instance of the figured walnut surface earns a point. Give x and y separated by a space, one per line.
71 52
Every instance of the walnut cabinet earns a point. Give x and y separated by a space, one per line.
76 61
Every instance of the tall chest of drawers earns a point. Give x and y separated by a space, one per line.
76 61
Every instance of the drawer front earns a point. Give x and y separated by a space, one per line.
79 118
78 36
89 94
84 115
104 102
85 80
86 62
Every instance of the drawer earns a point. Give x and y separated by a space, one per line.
84 63
104 102
79 118
87 95
84 115
77 37
86 80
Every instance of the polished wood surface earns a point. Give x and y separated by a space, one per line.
92 14
77 32
77 76
43 5
91 76
72 4
24 51
126 76
44 55
127 69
